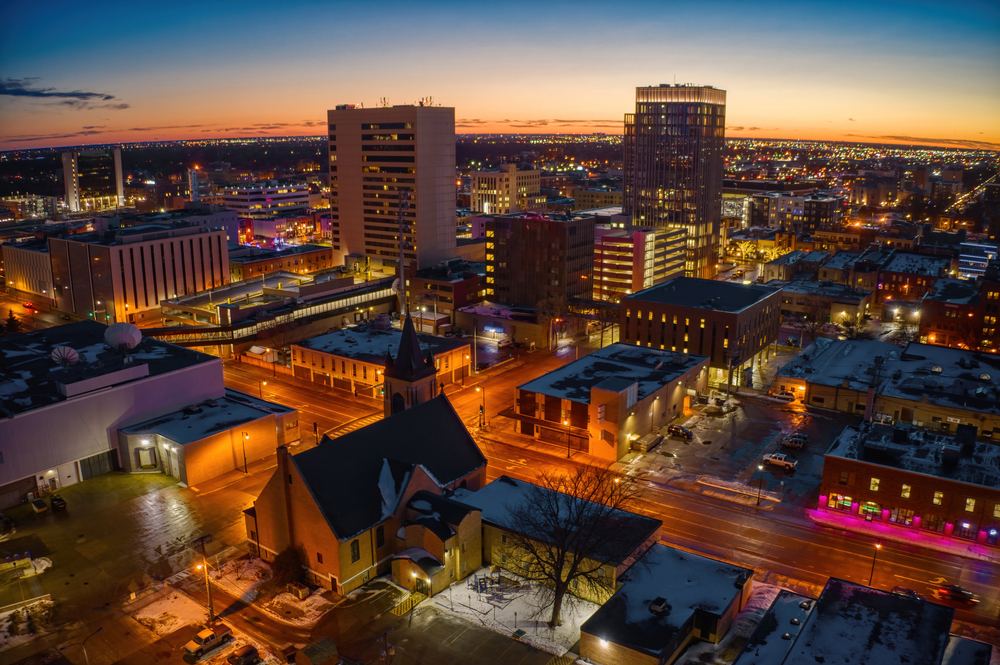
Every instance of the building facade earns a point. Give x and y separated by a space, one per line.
673 166
93 179
628 261
799 213
252 262
378 155
506 190
532 258
267 199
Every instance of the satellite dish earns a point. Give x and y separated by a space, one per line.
122 336
65 356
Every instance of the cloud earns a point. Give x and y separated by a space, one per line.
26 138
153 129
852 120
735 128
96 127
962 143
753 129
74 99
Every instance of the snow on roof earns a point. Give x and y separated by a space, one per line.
650 368
954 291
207 418
863 626
841 260
501 311
963 651
835 292
688 583
497 499
788 259
703 293
919 452
917 263
371 345
766 645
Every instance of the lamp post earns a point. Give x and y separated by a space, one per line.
871 576
566 423
243 440
760 485
207 538
83 644
260 388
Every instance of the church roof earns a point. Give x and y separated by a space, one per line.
408 363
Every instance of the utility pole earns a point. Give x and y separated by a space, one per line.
203 540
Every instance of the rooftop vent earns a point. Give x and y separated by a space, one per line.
659 606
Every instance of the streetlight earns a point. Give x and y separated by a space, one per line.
871 577
244 442
260 388
482 406
566 423
207 538
83 644
760 485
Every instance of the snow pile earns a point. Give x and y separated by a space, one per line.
742 488
174 611
41 564
289 609
21 626
499 609
242 577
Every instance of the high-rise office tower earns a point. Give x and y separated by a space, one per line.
377 153
93 179
673 166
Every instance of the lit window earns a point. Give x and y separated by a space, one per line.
970 505
906 492
938 498
873 485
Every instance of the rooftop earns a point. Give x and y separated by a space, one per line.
623 363
835 292
370 344
863 626
789 258
954 291
265 254
198 421
30 379
917 264
704 293
842 260
917 451
766 646
688 583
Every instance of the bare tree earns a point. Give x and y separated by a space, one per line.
549 311
816 314
852 326
571 531
969 333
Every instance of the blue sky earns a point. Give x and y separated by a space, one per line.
841 71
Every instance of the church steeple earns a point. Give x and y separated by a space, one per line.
410 379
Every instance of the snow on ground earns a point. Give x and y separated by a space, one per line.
736 486
41 564
17 621
166 615
241 577
495 609
289 609
700 653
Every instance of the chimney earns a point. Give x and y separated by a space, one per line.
284 531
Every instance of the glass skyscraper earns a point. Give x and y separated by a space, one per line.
673 166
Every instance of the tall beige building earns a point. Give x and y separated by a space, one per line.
506 190
374 155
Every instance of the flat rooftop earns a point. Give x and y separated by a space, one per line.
266 254
209 417
855 624
766 646
835 292
917 264
370 345
954 291
704 294
842 260
620 363
687 582
30 379
920 452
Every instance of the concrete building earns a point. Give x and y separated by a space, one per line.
123 275
376 154
493 321
828 301
585 199
798 213
358 507
64 411
732 324
532 258
604 402
630 260
667 600
267 199
355 359
962 313
436 293
252 262
506 191
93 180
673 166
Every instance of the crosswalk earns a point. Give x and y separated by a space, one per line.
354 425
561 660
408 603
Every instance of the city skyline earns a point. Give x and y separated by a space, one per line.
873 73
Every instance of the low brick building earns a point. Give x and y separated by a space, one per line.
915 480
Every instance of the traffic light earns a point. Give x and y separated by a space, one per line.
480 409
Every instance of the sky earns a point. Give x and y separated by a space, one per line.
912 72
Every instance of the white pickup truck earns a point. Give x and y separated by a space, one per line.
209 639
779 459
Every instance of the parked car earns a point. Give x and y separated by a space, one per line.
209 639
29 305
783 396
909 593
65 317
957 593
681 431
792 341
796 440
58 503
780 459
245 655
504 343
